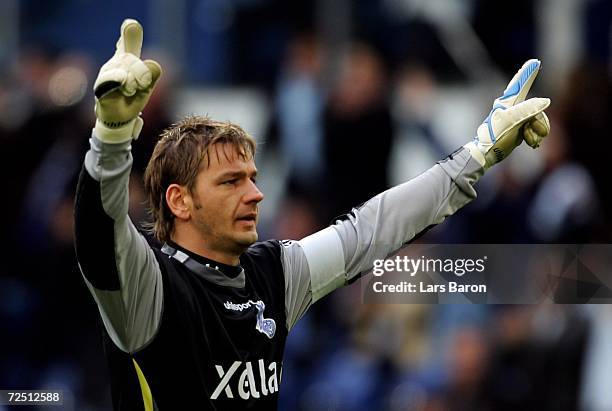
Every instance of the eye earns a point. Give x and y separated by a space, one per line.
254 180
231 181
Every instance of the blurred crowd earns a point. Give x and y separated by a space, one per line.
362 95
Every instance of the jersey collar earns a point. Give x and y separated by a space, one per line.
208 271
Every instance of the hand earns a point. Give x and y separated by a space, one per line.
512 120
123 87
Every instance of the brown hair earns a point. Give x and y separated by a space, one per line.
177 158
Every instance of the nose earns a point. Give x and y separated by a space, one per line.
253 195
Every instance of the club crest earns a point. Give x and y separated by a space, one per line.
264 325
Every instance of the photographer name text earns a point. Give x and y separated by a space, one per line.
412 266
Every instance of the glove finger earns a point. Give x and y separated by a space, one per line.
540 124
531 137
524 111
155 70
521 83
141 73
130 40
130 86
109 80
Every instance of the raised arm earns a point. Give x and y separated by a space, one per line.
331 258
117 264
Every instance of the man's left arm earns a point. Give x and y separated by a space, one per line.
331 258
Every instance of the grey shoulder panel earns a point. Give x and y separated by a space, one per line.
298 295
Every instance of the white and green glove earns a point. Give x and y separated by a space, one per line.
512 120
123 88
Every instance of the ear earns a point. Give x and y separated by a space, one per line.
179 201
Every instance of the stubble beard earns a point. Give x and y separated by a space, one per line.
229 241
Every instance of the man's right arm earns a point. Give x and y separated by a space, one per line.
119 267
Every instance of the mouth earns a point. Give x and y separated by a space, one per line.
249 218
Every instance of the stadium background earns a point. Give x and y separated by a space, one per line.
346 99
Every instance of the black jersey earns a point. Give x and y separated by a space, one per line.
185 333
219 333
219 345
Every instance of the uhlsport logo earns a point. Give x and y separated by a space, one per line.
246 383
264 325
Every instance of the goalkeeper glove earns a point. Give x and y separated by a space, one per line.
123 88
512 120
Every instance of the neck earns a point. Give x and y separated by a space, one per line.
196 245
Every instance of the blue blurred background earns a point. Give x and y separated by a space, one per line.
346 98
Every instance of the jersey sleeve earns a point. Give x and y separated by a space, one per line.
332 257
118 265
298 295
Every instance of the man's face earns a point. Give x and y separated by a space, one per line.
225 200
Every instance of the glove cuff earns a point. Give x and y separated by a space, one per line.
118 135
477 154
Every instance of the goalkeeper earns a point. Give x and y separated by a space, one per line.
199 320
